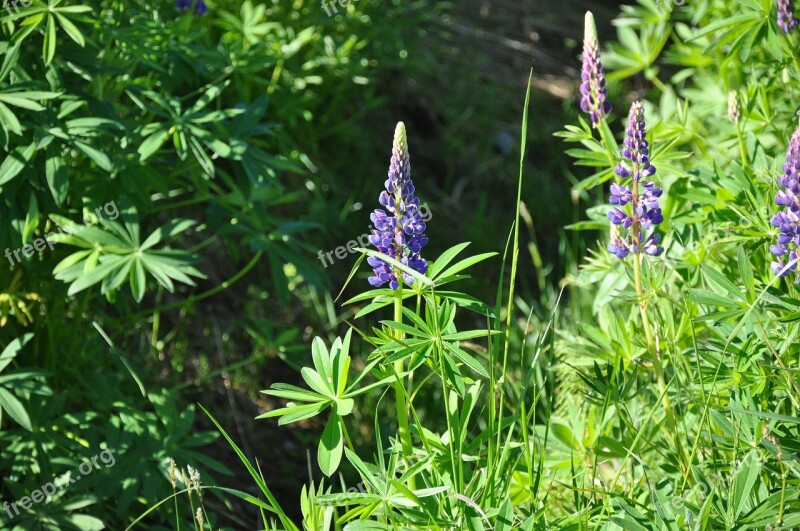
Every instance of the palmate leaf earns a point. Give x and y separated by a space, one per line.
635 52
50 14
328 381
247 133
249 24
113 254
194 130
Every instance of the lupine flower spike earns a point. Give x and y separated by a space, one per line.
593 81
786 19
787 220
642 195
399 230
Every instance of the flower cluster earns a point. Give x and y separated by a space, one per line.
642 195
399 230
788 220
593 81
200 7
786 19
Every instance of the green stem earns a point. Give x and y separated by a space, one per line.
742 148
403 431
495 384
648 332
660 84
783 492
637 278
655 357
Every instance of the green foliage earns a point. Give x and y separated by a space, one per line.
593 423
118 254
16 379
207 135
200 133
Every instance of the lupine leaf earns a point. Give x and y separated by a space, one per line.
331 446
12 349
14 408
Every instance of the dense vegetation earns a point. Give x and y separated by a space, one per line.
190 193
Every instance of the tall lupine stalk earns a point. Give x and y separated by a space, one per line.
786 19
593 81
644 212
788 223
788 219
639 219
399 234
594 97
642 195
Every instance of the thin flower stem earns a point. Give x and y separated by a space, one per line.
403 432
175 499
782 506
660 84
648 332
742 148
655 357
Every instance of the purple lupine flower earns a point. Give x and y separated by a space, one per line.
593 81
200 7
788 220
786 19
399 230
620 195
642 195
